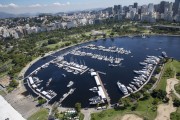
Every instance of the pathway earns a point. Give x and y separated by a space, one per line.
164 110
130 117
87 113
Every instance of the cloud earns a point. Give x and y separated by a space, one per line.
60 4
35 5
12 5
68 3
57 4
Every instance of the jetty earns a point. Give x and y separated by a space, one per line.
101 89
66 95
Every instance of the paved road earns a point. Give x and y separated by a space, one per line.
87 113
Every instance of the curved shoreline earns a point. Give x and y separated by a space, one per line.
24 70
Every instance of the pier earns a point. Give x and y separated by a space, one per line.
53 56
101 72
37 92
84 71
66 95
103 88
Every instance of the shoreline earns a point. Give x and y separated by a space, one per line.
24 70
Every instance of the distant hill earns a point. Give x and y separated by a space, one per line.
9 15
6 15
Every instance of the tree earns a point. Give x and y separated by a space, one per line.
157 71
161 94
78 107
166 100
52 41
134 107
176 102
41 101
135 95
153 79
13 83
125 102
155 101
146 95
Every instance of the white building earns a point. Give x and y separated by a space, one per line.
71 24
83 21
7 112
63 25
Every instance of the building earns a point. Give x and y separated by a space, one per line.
136 5
63 25
162 6
151 8
144 9
176 6
71 24
7 112
168 7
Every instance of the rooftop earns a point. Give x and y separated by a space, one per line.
7 111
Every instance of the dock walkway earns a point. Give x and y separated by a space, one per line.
37 92
65 96
106 94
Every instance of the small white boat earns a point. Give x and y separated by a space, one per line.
70 84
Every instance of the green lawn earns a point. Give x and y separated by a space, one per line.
81 116
177 88
42 114
175 115
144 110
175 67
2 93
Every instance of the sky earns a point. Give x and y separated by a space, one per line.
54 6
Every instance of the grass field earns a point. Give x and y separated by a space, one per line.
175 115
175 67
42 114
144 110
177 88
2 93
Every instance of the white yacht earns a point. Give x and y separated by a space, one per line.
93 89
122 88
130 89
132 86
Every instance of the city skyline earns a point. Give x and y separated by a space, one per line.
54 6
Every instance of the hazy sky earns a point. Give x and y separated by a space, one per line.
52 6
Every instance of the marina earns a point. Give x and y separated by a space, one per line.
110 59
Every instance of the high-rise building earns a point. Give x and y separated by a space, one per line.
176 6
135 5
156 7
168 7
120 9
115 9
162 6
144 9
125 9
151 7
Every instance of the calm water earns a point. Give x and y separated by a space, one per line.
139 47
